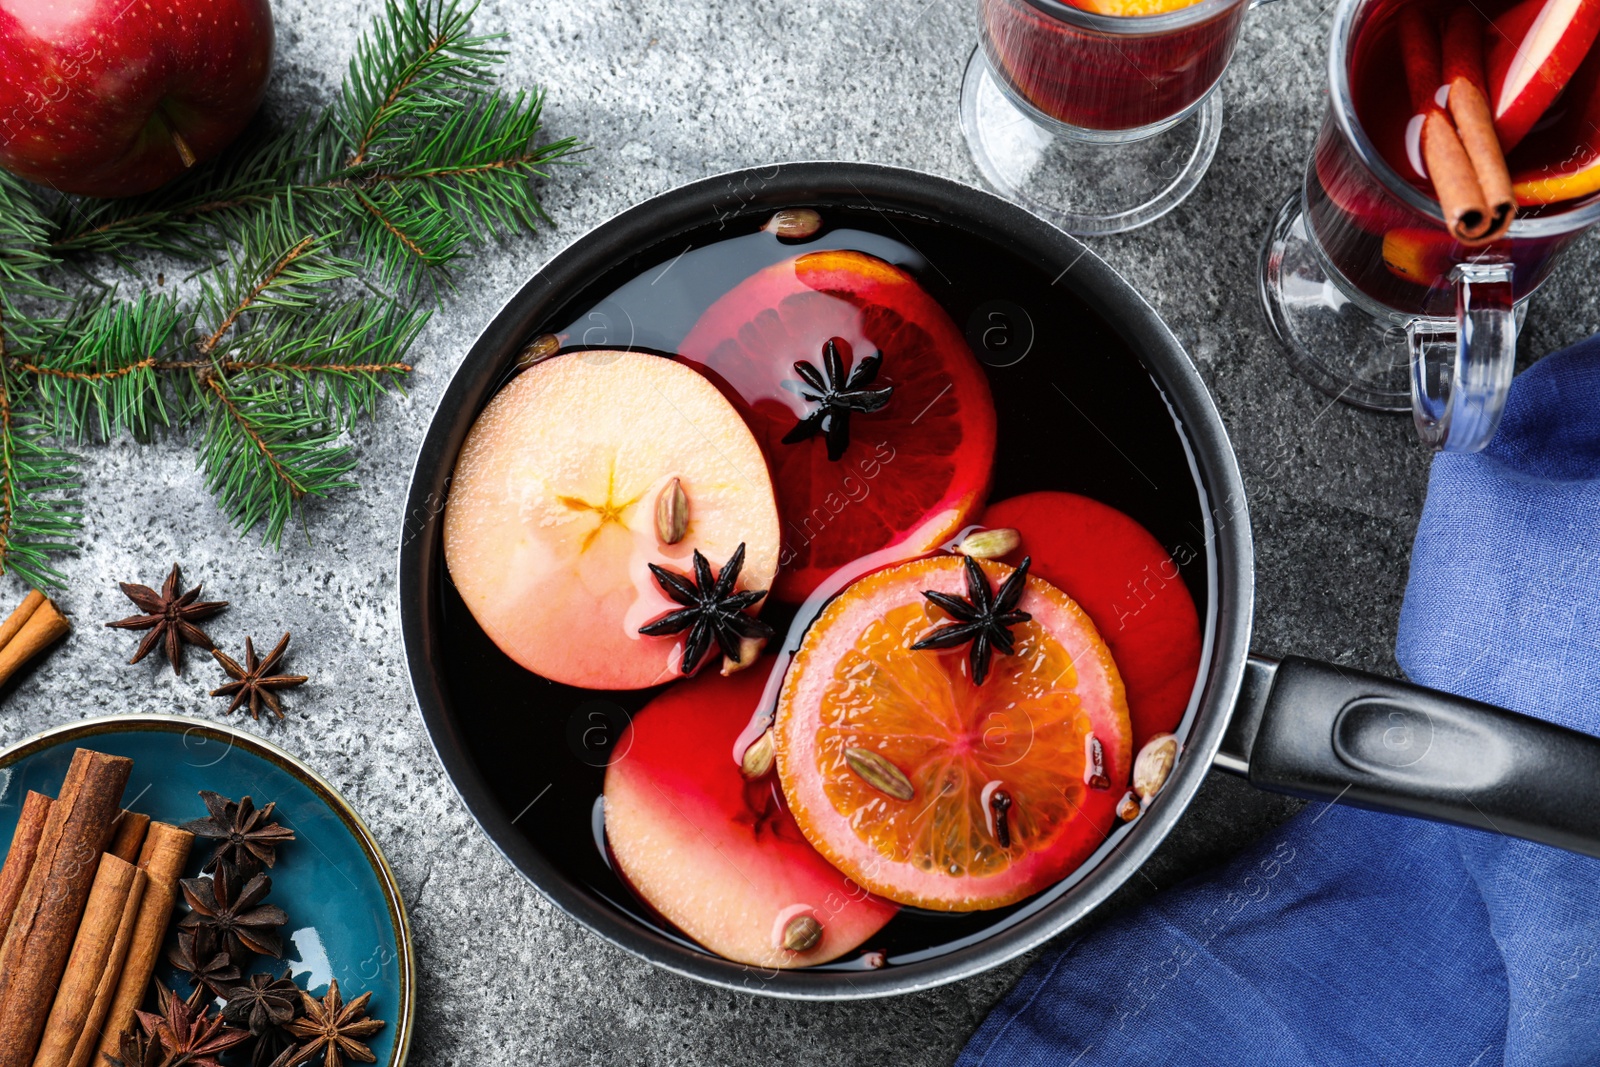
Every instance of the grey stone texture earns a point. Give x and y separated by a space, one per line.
666 93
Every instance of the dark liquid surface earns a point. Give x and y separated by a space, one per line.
1076 412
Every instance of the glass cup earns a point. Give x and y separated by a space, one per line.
1435 335
1099 123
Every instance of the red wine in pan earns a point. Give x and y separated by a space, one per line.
1074 412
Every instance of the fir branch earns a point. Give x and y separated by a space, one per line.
98 372
262 455
193 216
24 230
38 518
412 65
341 362
281 353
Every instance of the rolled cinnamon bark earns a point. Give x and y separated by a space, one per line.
127 840
19 615
1467 212
166 851
114 885
19 861
1469 109
43 628
105 991
36 947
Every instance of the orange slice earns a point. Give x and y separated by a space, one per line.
1026 736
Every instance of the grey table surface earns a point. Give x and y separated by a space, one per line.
667 93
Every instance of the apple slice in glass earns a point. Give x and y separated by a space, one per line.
1537 48
1561 160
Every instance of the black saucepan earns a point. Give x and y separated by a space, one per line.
1106 403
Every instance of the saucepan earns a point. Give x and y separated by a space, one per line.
1106 403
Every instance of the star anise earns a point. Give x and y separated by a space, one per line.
983 618
836 396
712 611
135 1048
248 838
333 1029
240 921
263 1003
169 617
276 1048
200 957
187 1032
255 682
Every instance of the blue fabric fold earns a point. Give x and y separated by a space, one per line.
1348 937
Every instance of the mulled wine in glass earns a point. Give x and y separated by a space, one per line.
1459 158
1100 115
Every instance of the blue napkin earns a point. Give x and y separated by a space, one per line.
1350 937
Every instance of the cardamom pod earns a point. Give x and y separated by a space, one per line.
538 350
749 651
1153 764
989 544
672 513
794 223
879 773
757 759
802 933
1128 808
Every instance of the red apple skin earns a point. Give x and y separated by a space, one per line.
1515 115
91 91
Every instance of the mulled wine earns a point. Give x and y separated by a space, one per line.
1107 64
1394 248
869 363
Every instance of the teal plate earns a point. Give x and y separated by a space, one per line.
346 919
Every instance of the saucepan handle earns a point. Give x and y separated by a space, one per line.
1324 732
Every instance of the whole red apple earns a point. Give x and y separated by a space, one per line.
115 97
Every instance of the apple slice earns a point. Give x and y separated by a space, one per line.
551 524
716 854
1561 160
1538 46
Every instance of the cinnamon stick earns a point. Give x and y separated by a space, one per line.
1420 56
1470 214
127 840
42 628
105 991
1469 108
116 882
165 853
1466 210
37 945
14 621
19 861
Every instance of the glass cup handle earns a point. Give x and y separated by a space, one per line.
1459 384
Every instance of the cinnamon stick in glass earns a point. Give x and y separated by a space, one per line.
1466 210
116 882
19 861
1469 109
166 852
36 947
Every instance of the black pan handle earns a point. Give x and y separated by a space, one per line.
1327 733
